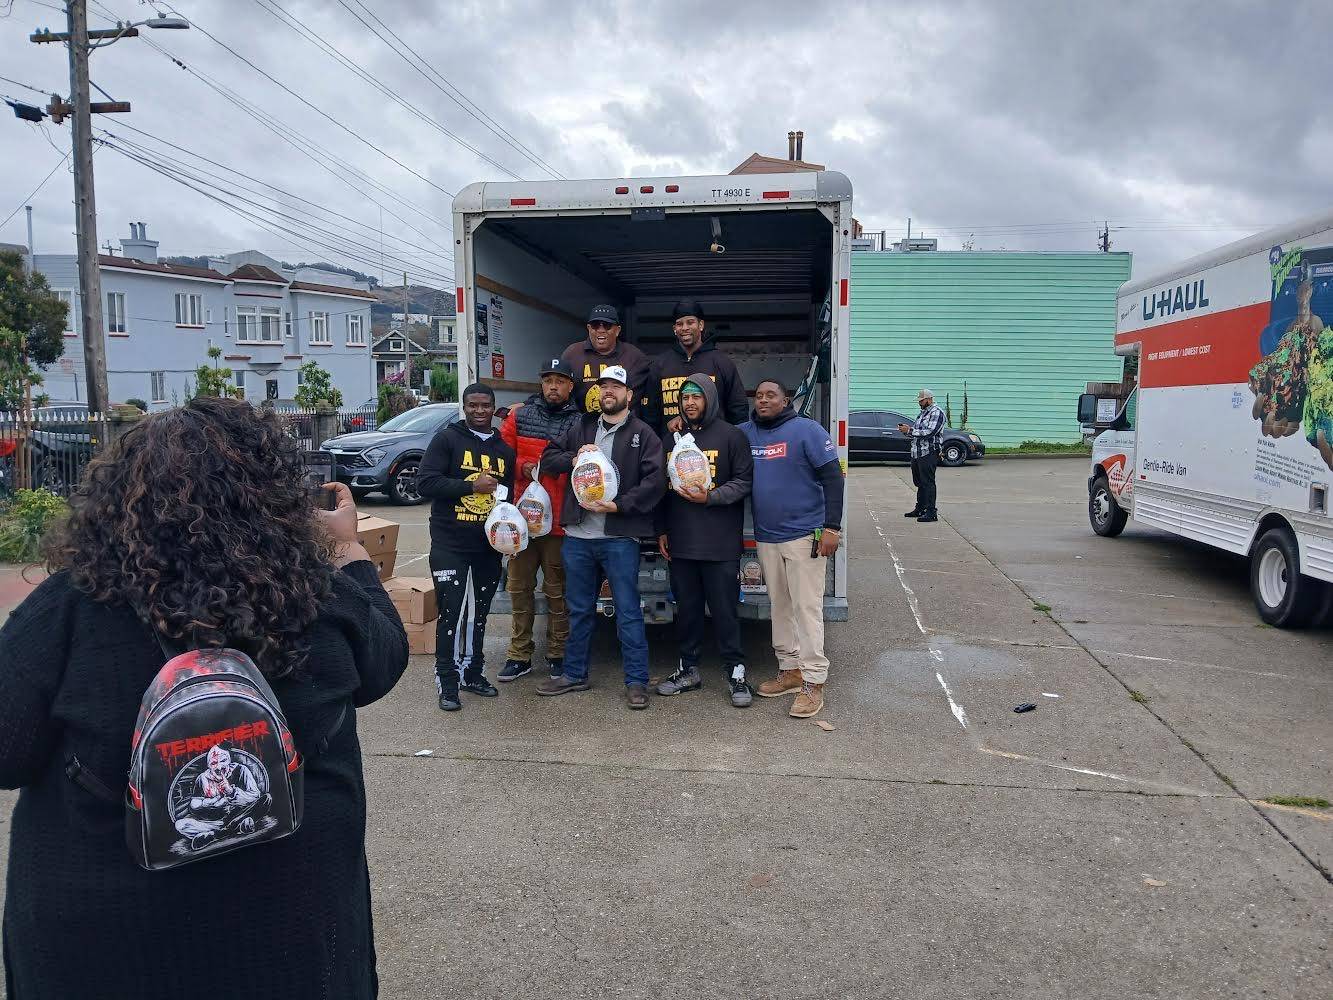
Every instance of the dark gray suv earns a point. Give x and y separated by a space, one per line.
386 460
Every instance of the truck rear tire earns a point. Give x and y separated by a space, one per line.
1283 595
1106 516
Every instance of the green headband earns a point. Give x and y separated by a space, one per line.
691 387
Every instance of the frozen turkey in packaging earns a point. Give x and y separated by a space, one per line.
687 465
594 478
506 529
535 506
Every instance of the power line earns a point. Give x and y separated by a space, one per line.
434 250
348 250
26 86
319 111
35 190
272 7
453 93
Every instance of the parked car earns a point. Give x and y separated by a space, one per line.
60 444
873 436
386 460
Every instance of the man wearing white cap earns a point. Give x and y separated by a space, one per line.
926 435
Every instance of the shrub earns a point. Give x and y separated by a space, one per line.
24 521
393 400
140 403
443 385
317 387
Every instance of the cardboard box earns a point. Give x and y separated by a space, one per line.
376 534
384 562
421 639
414 597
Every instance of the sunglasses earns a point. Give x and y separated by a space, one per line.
600 325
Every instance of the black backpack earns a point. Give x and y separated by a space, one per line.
212 764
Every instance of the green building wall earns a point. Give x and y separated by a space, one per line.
1025 331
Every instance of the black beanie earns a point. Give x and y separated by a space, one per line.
687 307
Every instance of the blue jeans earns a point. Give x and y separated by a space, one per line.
618 558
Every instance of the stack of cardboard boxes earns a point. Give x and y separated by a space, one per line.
413 596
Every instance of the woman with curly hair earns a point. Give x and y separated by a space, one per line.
196 526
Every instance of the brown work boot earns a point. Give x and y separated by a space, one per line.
809 703
785 682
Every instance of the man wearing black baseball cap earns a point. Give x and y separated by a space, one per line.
528 430
604 349
694 352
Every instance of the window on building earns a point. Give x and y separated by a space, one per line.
356 330
300 378
319 328
240 380
395 345
448 337
247 325
287 325
66 296
159 390
270 330
189 309
208 315
115 312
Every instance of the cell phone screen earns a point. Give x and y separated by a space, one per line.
318 471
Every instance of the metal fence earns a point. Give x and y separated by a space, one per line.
48 447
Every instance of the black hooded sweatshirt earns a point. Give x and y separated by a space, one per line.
454 458
670 370
712 531
588 366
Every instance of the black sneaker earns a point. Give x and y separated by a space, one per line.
912 513
448 692
741 694
513 670
928 518
556 665
479 685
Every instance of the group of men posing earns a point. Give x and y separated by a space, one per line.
605 394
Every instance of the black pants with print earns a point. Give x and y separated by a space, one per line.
465 582
923 477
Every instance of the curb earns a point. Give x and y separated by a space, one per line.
1038 454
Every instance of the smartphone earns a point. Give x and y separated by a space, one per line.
318 471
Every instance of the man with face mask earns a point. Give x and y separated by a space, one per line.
603 536
926 435
528 430
700 533
694 352
604 349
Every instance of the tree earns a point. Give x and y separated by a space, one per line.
443 385
214 380
27 305
316 387
962 423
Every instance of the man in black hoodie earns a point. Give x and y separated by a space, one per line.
463 465
693 352
700 533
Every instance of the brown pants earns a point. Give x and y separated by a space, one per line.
522 586
796 602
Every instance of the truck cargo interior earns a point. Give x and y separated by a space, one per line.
765 290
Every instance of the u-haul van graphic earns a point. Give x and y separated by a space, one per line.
1228 438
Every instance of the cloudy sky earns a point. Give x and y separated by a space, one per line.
1012 124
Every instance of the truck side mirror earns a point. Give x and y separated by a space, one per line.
1087 408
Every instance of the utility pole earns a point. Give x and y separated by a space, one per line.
407 340
85 210
32 253
1104 238
79 110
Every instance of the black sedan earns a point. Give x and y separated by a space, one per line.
874 437
386 460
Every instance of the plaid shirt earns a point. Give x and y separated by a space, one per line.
927 432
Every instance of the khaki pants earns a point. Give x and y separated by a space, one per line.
796 598
543 552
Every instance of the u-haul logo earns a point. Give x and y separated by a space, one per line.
778 450
1115 474
1181 298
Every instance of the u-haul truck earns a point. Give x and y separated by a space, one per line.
1228 438
767 255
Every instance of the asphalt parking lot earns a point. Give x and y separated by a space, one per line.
1111 843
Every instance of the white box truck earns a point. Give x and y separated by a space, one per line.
1228 437
767 255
